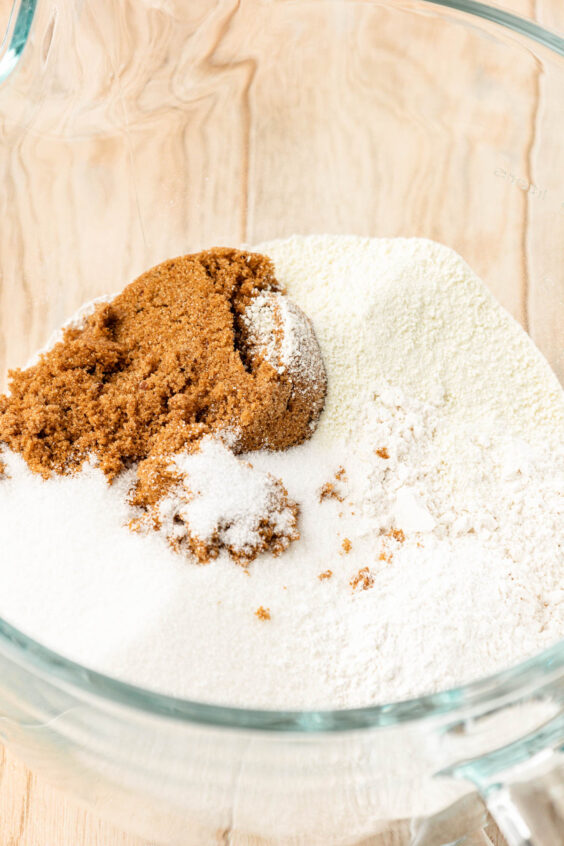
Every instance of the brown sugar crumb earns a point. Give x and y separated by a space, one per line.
167 362
346 546
263 613
382 452
329 491
397 535
325 575
2 469
363 579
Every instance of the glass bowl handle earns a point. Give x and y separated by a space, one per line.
14 39
522 785
531 812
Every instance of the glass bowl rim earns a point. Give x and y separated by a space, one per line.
514 682
509 685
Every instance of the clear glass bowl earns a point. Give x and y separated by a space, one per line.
136 131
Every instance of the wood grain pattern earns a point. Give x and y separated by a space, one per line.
31 812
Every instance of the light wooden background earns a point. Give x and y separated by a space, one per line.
34 814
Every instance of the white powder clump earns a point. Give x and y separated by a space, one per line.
285 336
263 323
449 426
221 501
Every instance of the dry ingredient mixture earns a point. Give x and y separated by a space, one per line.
429 501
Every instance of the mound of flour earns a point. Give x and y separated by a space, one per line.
442 453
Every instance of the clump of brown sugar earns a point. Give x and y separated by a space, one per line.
362 580
263 613
325 575
195 499
2 469
332 491
150 373
397 534
346 546
329 491
181 354
382 452
394 534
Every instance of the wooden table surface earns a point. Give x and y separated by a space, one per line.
31 812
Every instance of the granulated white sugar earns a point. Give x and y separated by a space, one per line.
441 444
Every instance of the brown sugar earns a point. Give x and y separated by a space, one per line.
329 491
157 368
382 452
173 358
263 613
276 523
325 575
363 579
346 546
398 535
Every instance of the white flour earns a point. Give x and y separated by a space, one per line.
448 424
